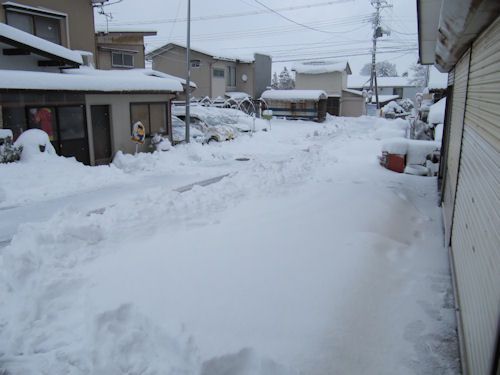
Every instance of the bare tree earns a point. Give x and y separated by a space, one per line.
383 68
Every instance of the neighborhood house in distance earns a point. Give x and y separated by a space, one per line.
215 75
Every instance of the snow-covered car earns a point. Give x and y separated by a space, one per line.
179 132
212 129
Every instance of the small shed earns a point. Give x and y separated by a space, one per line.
296 104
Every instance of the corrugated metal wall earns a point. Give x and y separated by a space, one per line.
475 240
455 141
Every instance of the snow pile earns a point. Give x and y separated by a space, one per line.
36 145
416 151
390 129
393 107
436 112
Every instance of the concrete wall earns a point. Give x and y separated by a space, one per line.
119 41
80 33
352 105
120 126
332 83
249 85
262 74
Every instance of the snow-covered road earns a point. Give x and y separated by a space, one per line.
311 259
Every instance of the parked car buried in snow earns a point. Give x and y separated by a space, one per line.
179 132
212 129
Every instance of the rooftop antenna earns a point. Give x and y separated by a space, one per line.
104 3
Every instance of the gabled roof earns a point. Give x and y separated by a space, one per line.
25 41
214 55
355 82
321 67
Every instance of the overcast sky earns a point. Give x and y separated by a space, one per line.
342 28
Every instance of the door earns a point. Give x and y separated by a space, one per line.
101 133
333 106
73 139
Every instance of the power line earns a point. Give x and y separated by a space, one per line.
344 55
227 15
295 22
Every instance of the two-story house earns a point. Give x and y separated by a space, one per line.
331 77
389 88
213 74
121 49
47 82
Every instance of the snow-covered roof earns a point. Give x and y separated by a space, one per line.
16 37
125 30
237 95
354 92
355 82
320 67
384 98
436 112
89 79
216 55
286 95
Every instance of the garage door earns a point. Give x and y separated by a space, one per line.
476 224
455 141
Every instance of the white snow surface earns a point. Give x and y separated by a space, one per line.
294 95
320 67
309 258
89 79
436 112
30 40
31 140
416 151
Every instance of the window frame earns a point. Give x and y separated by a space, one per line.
33 15
122 65
231 76
195 63
148 128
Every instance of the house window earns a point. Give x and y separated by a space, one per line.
231 76
47 28
195 63
397 91
152 115
122 60
218 73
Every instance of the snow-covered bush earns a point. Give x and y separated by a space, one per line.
392 108
35 143
8 152
406 104
161 143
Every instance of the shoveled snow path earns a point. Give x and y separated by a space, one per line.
319 262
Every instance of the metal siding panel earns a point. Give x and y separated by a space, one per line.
455 141
483 100
476 223
475 246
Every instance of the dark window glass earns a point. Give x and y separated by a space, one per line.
117 59
48 29
14 118
20 21
158 116
219 73
71 123
128 60
231 76
43 118
195 63
140 112
122 59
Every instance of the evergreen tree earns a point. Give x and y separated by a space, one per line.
275 82
285 80
383 68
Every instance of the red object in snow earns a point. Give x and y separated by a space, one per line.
393 162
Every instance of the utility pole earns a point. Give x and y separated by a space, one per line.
188 79
378 32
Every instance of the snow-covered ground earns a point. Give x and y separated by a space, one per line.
307 258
